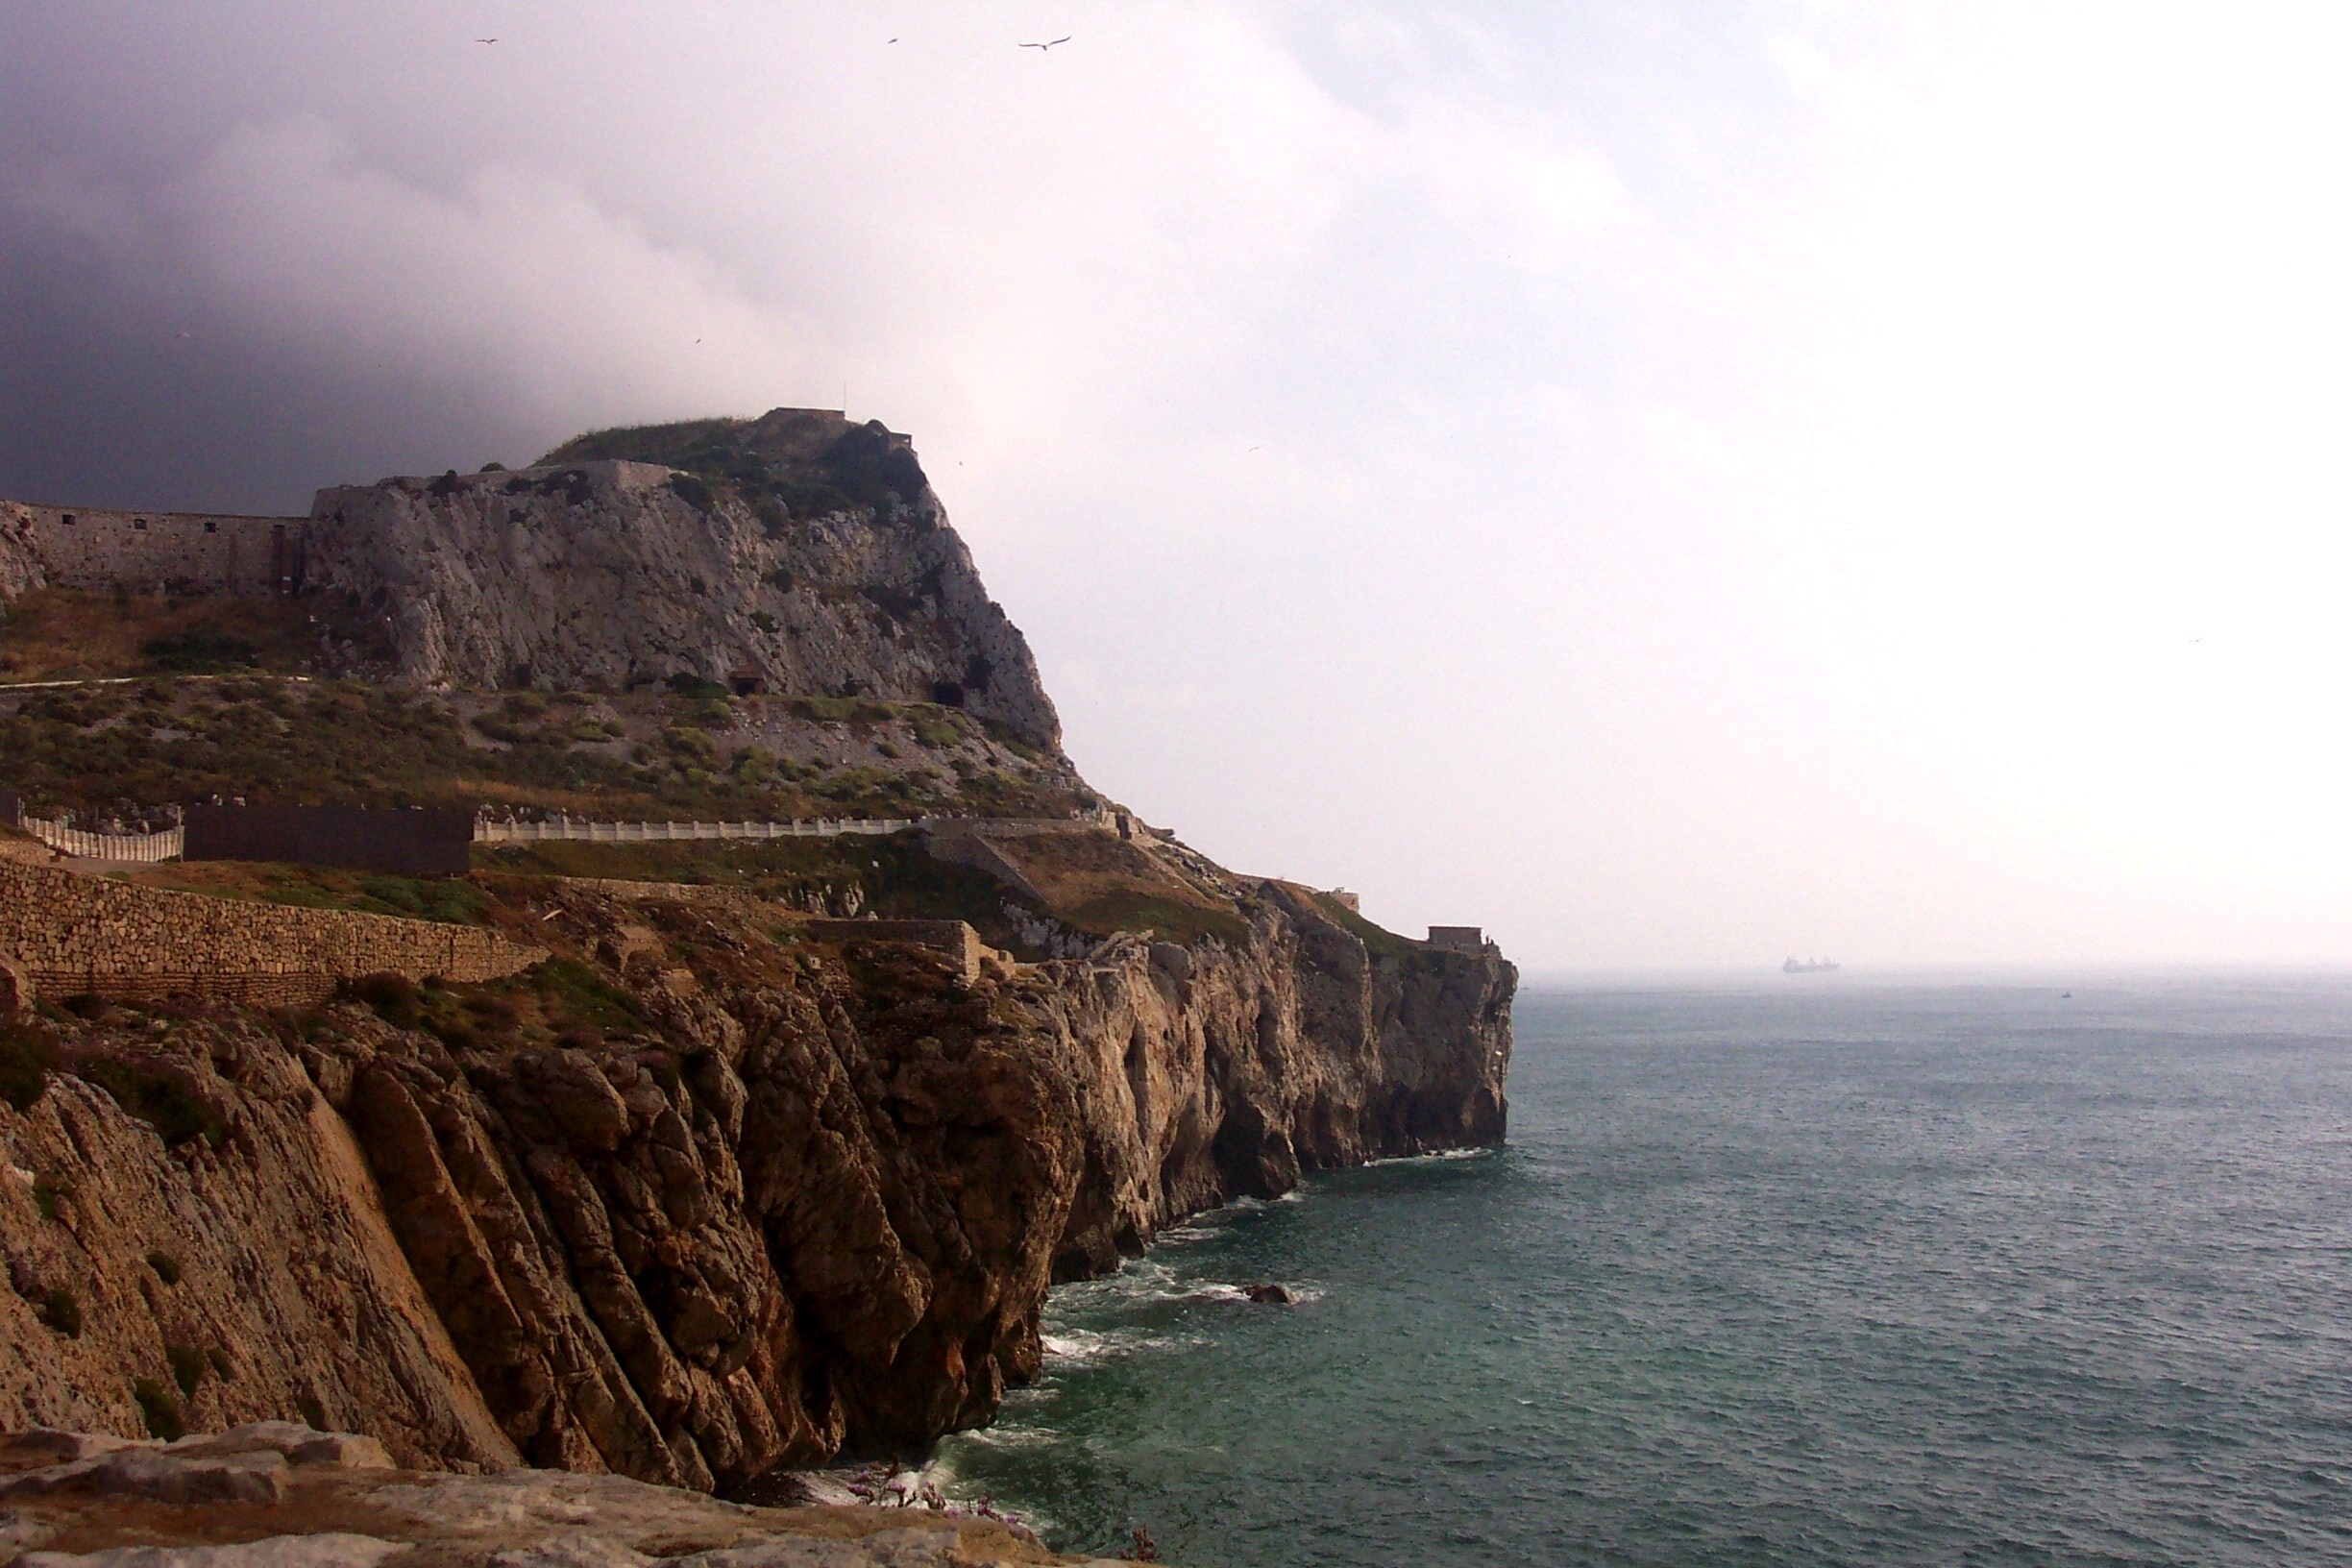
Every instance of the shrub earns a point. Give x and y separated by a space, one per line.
165 1104
199 652
692 491
897 604
934 729
27 1055
833 710
686 741
393 997
161 1411
446 900
498 726
222 1367
864 462
47 1194
494 1013
576 994
63 1312
188 1367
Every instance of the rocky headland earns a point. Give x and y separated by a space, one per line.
720 1187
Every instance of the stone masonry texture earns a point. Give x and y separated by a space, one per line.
70 933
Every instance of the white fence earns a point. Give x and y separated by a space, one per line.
486 831
169 844
141 846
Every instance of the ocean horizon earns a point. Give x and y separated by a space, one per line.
1852 1270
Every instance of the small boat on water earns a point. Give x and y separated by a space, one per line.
1809 965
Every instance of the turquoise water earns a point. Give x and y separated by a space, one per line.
1811 1273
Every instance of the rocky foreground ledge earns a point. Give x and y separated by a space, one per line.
274 1494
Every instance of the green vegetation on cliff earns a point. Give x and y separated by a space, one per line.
122 749
791 462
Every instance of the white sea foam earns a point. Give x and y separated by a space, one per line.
1432 1157
1216 1292
1010 1436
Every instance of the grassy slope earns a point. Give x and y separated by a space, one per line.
59 634
118 750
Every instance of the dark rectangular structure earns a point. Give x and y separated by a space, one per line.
411 843
12 809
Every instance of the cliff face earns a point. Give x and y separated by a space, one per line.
798 1197
20 566
616 574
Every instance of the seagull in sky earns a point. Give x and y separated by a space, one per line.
485 41
1040 47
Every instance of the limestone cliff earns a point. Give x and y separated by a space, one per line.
20 565
813 559
789 1196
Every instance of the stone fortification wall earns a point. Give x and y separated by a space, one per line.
97 549
953 938
69 934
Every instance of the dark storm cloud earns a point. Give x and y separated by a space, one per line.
122 381
247 254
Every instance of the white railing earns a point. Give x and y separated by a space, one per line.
489 831
141 847
172 843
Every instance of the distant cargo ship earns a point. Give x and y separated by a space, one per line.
1809 965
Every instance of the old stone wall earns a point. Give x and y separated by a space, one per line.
957 939
70 934
98 549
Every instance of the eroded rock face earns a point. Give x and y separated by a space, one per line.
21 566
612 575
815 1201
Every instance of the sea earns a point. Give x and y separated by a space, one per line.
1814 1270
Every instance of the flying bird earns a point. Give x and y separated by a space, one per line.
485 41
1064 39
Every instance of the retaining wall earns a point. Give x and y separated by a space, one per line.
957 939
488 831
70 933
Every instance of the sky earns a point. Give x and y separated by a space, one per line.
1677 484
